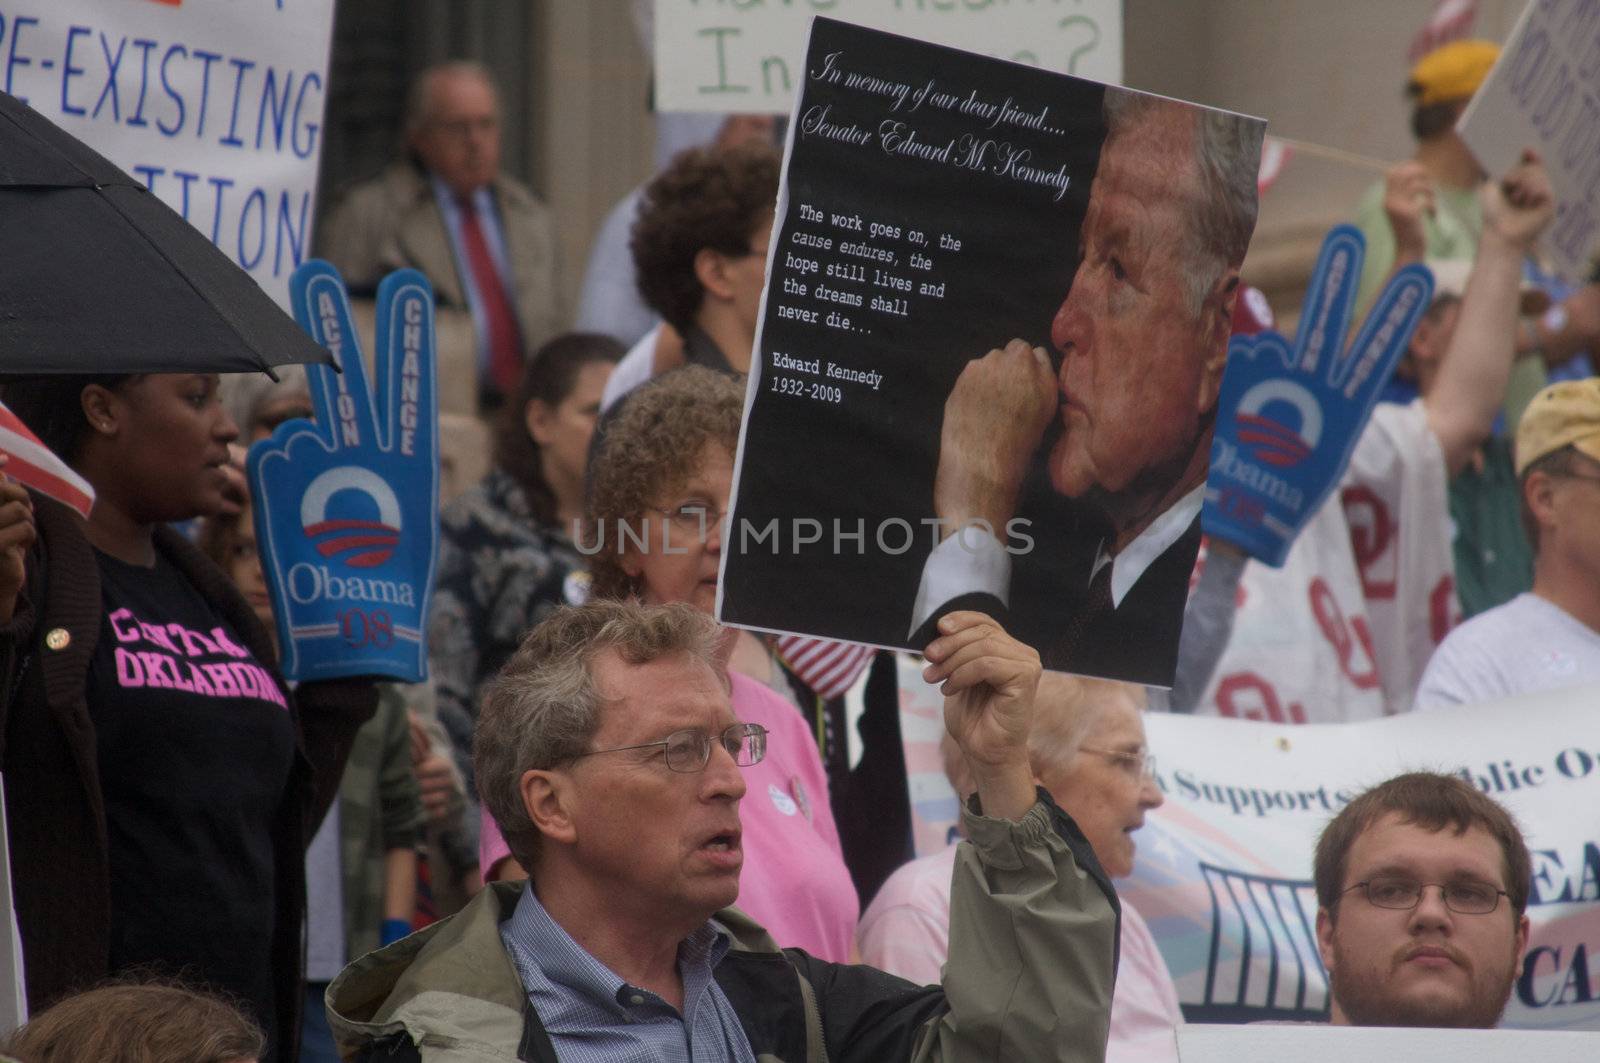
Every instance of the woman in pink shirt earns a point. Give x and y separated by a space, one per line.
659 484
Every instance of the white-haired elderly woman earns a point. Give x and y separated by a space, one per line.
1088 749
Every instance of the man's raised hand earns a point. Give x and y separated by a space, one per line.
1519 206
1407 198
989 683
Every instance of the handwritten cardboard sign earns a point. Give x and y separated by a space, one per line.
749 56
1544 93
216 105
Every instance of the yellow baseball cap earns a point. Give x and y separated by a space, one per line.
1563 414
1452 71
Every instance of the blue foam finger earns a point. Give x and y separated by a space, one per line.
346 512
1330 297
1275 348
1289 419
1385 334
403 387
1255 495
339 393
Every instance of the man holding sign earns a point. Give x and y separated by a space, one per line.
1142 335
609 755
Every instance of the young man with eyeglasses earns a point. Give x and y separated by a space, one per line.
1422 884
1547 638
609 756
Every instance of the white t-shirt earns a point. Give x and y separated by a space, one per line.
906 931
1525 645
1343 630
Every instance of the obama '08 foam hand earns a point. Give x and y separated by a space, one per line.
347 509
1289 416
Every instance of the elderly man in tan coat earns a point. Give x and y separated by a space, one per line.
484 240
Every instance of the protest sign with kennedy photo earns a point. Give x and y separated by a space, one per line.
991 347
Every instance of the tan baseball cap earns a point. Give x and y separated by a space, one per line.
1563 414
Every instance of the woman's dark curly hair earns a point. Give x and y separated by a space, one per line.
704 198
549 376
650 448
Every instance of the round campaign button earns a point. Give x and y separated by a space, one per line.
58 638
781 801
575 588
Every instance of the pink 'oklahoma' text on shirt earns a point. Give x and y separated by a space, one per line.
165 656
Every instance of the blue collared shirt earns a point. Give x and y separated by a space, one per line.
592 1016
483 206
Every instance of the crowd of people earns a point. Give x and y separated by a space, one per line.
607 828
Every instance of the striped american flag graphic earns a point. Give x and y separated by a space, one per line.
34 464
829 668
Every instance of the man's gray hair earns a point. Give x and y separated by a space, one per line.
1228 157
419 96
543 709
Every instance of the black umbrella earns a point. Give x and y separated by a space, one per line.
99 276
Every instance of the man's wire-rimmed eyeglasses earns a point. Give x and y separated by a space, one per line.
689 750
1402 895
1143 762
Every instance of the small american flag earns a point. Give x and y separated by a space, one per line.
1451 20
33 464
829 668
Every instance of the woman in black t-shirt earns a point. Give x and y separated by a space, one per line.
160 778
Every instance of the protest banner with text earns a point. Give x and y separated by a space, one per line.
1223 871
986 374
1223 868
216 105
747 57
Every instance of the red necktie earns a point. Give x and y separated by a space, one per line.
505 338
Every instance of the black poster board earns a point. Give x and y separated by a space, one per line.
930 212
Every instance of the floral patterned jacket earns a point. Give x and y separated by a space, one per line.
500 573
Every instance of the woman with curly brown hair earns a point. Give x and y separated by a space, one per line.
700 249
658 492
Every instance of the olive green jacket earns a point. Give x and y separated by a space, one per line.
1033 943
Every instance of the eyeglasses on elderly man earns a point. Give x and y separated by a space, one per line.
689 750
